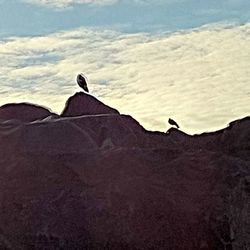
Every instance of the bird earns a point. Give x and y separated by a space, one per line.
82 82
172 122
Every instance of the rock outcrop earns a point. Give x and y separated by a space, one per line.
84 104
95 179
24 112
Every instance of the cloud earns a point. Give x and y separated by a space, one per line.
68 3
199 77
61 4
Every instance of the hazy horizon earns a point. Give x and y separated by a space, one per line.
184 59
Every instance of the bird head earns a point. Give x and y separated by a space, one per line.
81 77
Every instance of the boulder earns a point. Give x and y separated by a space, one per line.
24 112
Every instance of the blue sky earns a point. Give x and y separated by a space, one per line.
20 17
152 59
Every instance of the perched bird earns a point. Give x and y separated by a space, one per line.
82 82
172 122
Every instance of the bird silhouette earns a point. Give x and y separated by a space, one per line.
82 82
172 122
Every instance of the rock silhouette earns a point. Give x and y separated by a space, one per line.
83 104
24 112
95 179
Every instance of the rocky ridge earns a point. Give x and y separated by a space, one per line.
92 178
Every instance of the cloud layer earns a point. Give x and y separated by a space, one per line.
61 4
199 77
190 4
67 3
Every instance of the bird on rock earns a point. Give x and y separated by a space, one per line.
82 82
172 122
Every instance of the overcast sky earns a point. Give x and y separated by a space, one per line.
184 59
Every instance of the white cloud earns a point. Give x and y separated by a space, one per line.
68 3
199 77
61 4
230 5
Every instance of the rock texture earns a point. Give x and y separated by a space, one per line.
101 181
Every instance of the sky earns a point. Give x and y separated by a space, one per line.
152 59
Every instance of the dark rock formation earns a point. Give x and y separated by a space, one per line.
24 112
104 182
84 104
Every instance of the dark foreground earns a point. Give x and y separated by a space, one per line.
94 179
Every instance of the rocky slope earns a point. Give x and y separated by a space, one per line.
92 178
